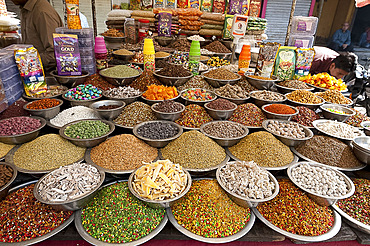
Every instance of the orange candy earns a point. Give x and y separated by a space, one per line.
160 92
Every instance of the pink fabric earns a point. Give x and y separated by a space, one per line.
322 60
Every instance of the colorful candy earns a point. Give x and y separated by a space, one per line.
83 92
193 116
197 95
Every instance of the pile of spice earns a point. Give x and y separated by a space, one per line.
108 107
196 82
146 78
305 116
25 218
47 152
122 92
43 104
357 119
339 129
231 91
295 84
116 216
286 129
280 109
6 174
160 180
168 106
329 151
74 181
194 150
14 110
334 96
161 54
181 45
232 67
240 176
83 92
123 52
259 77
98 81
160 92
221 104
52 90
246 85
120 71
197 94
358 206
217 47
73 114
207 211
122 152
267 95
157 130
293 211
216 61
87 129
18 125
248 114
5 148
172 70
221 74
135 113
161 64
264 149
224 129
193 116
138 57
112 32
304 96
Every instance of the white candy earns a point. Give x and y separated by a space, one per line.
73 114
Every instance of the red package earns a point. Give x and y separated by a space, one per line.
182 4
254 8
219 6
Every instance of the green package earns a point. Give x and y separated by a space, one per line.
227 26
206 5
285 63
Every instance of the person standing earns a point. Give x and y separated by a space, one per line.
341 40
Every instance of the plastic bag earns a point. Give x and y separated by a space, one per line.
304 61
266 59
67 54
73 17
285 63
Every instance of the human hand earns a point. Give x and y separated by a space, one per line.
344 46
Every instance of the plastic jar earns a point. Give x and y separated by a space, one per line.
143 29
130 31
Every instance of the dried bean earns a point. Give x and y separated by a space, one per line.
304 96
157 130
193 116
146 78
196 82
248 114
74 114
18 125
122 92
224 129
305 116
168 106
295 84
134 114
221 104
6 173
221 74
286 129
43 104
87 129
231 91
267 95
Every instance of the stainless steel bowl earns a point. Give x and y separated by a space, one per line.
361 155
167 116
245 201
163 41
48 113
225 142
316 124
308 105
123 57
225 56
151 102
70 81
285 90
73 204
119 81
87 143
218 83
235 100
4 190
201 103
85 103
271 115
335 116
366 126
363 143
262 84
260 102
155 203
352 221
220 114
157 143
172 81
24 137
108 114
126 100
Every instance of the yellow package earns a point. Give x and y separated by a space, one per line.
73 17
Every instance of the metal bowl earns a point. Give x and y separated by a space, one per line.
218 83
24 137
172 81
322 199
361 155
291 142
123 57
201 103
225 56
235 100
87 143
167 116
48 113
157 143
4 190
362 143
225 142
245 201
158 203
335 116
352 221
70 81
163 41
262 84
271 115
126 100
316 124
63 89
220 114
110 39
85 103
286 90
162 58
366 126
308 105
260 102
108 114
151 102
73 204
119 81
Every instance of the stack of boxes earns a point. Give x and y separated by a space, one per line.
302 31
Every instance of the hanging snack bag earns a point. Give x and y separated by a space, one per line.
266 59
206 5
219 6
235 7
285 63
182 4
171 4
194 4
73 17
164 23
67 54
254 8
146 4
159 4
30 68
303 61
245 7
227 27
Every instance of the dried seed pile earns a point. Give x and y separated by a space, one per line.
358 205
248 114
122 92
293 211
357 119
24 218
246 85
328 151
172 70
146 78
295 84
221 74
47 152
120 71
194 150
14 110
264 149
224 129
69 182
135 113
217 46
339 129
334 96
43 104
157 130
286 129
168 106
221 104
18 125
305 116
87 129
304 96
196 82
231 91
116 216
6 173
5 148
73 114
193 116
206 210
122 152
267 95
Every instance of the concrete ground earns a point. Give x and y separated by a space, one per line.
363 56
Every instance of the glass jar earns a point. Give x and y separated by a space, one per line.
130 31
143 29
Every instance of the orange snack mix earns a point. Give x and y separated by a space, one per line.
324 80
160 92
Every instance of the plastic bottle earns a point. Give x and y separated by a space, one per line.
130 31
194 57
244 59
143 29
101 53
149 55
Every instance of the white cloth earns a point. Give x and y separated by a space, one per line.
83 19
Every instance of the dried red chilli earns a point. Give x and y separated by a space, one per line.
43 104
22 217
248 114
293 211
305 116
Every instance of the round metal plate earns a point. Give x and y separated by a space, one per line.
352 221
124 127
355 129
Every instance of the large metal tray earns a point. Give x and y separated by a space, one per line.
352 221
